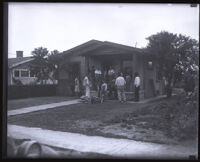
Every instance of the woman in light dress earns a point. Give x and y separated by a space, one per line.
86 84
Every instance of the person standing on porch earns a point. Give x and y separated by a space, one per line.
77 86
137 86
86 85
111 73
120 83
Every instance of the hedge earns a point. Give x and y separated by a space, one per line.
26 91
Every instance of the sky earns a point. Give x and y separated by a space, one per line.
62 26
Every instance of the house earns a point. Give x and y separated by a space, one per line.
18 70
19 73
102 55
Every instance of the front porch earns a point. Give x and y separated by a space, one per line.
120 61
103 56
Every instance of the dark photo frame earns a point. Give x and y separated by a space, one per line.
53 79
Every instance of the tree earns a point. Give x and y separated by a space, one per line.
53 63
176 55
39 66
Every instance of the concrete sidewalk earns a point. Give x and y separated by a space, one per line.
110 146
42 107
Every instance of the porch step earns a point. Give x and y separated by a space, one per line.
129 95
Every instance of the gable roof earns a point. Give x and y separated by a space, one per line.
13 62
95 44
92 44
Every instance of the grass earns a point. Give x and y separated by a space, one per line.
79 118
61 117
89 119
22 103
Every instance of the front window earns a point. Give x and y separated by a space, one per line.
24 73
16 73
32 74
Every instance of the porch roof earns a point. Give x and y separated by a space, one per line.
99 48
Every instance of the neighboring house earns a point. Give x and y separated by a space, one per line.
105 54
18 70
19 73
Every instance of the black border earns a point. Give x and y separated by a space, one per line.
4 56
4 51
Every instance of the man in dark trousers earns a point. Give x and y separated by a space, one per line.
137 86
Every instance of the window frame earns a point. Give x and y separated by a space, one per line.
16 70
25 70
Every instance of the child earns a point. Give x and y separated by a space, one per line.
103 91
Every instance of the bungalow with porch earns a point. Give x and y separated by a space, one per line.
19 72
102 55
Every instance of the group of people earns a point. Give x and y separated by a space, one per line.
107 84
120 83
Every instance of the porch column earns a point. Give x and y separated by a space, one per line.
134 64
138 66
83 67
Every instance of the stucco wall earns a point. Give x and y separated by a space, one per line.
65 84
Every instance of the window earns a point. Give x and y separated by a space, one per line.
32 74
16 73
24 73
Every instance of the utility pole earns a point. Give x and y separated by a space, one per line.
135 44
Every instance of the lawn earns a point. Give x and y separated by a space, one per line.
27 102
143 122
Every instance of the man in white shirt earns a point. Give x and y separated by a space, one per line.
137 86
111 71
120 83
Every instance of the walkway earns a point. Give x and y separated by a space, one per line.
42 107
115 147
65 103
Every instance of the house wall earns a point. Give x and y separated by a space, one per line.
152 87
81 61
65 83
24 80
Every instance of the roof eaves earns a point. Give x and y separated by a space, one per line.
76 49
22 62
125 47
81 45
